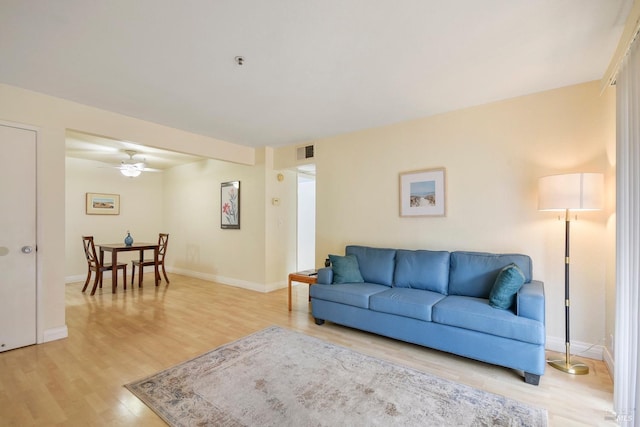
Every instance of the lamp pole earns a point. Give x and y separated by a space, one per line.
566 365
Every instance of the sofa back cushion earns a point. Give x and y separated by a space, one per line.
474 273
427 270
376 264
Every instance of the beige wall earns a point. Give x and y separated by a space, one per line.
280 222
184 202
141 211
259 255
493 155
609 249
53 116
199 247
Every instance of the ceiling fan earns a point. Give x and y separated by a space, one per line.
132 167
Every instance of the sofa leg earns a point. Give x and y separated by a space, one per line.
532 379
319 322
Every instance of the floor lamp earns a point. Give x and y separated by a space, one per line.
570 192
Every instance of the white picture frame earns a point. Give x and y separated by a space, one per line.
102 204
423 193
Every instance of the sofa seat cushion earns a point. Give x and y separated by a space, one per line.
421 269
414 303
355 294
477 315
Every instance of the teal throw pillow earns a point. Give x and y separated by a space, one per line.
345 269
507 284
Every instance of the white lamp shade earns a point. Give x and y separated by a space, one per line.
574 191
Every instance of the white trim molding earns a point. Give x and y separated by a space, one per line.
609 361
75 279
629 33
54 334
244 284
258 287
578 348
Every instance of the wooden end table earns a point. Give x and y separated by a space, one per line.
309 276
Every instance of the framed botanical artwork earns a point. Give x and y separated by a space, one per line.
422 193
230 205
102 204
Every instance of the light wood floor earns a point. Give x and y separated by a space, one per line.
116 339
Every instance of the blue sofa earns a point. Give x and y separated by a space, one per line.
440 299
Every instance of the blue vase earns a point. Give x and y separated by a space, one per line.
128 240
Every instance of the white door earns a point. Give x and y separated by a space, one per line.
17 237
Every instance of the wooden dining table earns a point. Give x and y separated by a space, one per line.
114 248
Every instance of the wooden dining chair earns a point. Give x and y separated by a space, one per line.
163 242
93 264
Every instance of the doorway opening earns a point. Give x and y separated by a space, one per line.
306 243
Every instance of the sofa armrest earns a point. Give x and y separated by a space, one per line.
325 276
530 301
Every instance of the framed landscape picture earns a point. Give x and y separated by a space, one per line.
422 193
230 205
103 204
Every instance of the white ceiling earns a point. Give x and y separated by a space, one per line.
112 152
312 68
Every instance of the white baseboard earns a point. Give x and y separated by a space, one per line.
55 334
609 360
270 287
74 279
244 284
258 287
578 348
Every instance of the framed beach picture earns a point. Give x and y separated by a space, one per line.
230 205
422 193
103 204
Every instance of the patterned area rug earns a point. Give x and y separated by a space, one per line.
277 377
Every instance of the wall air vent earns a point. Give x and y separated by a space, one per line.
305 152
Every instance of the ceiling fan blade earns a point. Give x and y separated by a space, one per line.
132 166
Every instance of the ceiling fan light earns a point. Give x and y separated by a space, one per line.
130 170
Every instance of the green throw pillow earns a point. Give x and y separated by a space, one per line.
345 269
507 284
